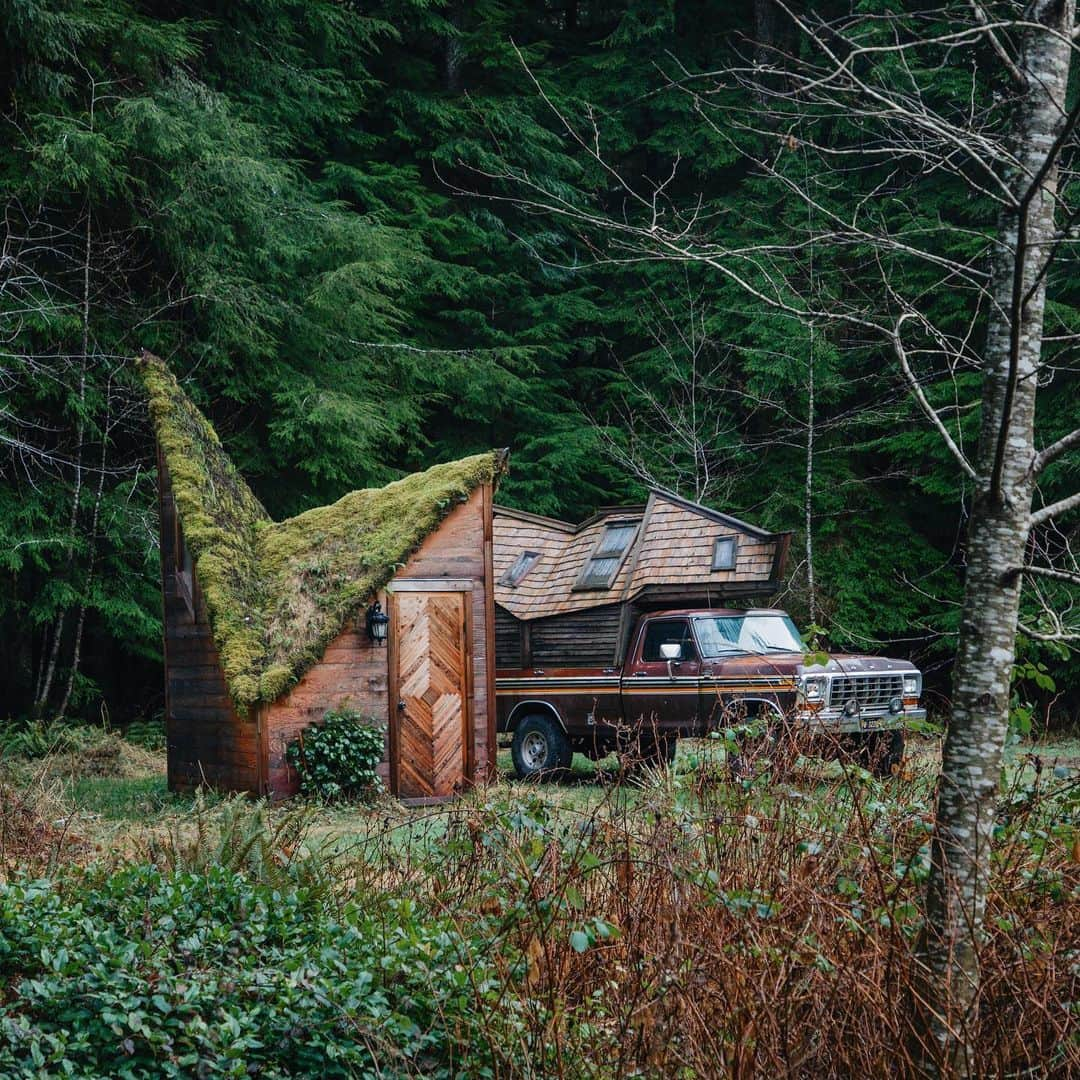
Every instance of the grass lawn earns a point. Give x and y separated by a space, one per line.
114 811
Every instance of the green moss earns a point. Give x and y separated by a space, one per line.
279 592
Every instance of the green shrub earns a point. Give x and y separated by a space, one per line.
140 973
337 759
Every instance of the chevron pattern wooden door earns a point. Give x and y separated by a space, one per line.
430 639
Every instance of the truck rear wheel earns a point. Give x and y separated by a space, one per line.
540 747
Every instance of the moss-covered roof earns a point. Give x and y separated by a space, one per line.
279 592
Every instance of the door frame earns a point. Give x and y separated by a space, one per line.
432 585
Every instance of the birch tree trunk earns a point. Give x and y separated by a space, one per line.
997 538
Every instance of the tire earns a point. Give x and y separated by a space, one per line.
882 752
540 747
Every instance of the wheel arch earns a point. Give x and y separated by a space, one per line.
766 704
530 708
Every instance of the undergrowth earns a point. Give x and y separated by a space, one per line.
682 926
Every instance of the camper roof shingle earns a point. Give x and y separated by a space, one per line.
673 547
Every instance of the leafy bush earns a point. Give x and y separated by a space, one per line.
337 759
140 973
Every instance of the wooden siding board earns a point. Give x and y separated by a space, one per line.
579 638
508 653
354 676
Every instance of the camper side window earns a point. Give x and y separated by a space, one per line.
603 564
724 554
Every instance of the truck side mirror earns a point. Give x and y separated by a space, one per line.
671 651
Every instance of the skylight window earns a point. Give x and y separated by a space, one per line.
603 564
522 565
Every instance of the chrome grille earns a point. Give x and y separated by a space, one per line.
870 691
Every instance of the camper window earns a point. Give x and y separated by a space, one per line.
602 566
522 565
724 554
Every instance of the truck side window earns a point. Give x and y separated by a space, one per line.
664 632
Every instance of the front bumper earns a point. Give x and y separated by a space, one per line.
835 722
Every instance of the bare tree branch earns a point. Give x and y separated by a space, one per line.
1050 572
1040 517
1055 450
920 396
1017 76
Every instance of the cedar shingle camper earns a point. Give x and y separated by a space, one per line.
265 621
569 594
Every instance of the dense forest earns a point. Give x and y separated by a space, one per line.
310 210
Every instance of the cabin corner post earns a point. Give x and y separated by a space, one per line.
490 766
393 690
467 631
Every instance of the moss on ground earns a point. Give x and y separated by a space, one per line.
278 593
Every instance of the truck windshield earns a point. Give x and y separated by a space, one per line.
720 635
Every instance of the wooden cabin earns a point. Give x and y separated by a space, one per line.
265 625
568 595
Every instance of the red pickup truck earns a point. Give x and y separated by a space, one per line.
689 672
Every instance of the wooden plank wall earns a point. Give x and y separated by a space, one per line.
508 652
352 674
576 638
208 740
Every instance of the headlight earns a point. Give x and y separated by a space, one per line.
912 685
813 687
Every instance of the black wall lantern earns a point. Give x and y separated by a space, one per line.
377 623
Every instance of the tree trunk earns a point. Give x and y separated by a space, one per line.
809 495
774 36
997 539
41 701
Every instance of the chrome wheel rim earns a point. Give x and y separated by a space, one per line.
534 750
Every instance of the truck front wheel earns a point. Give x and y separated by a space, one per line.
540 747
